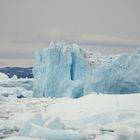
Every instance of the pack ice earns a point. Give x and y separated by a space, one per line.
63 70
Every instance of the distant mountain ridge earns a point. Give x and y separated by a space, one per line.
18 71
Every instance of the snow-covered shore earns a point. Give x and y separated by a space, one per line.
98 117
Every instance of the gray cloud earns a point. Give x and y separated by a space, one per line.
27 25
16 55
33 18
16 62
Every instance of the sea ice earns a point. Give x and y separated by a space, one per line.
95 116
34 128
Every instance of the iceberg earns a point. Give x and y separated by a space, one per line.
63 70
59 71
120 76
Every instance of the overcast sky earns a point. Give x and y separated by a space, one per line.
85 22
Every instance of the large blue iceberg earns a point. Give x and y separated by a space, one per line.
120 76
59 71
63 70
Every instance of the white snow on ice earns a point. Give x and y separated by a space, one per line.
89 117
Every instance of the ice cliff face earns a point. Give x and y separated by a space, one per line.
67 71
120 76
58 69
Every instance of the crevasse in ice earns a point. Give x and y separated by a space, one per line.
59 71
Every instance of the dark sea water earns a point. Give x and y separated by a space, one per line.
18 71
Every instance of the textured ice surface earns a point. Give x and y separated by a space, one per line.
15 87
118 76
97 116
52 131
54 123
57 71
66 70
60 70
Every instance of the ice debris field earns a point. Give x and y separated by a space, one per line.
75 95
